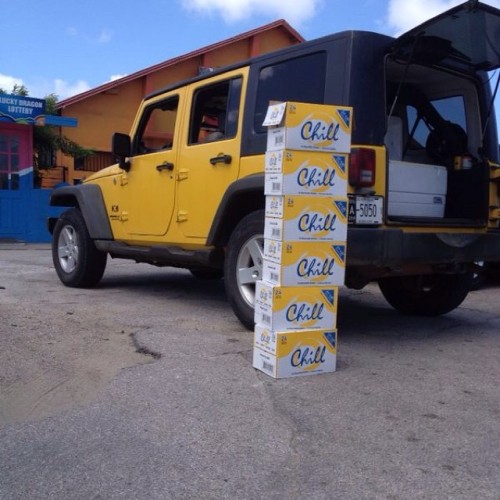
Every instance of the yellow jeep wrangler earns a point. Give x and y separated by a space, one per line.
188 190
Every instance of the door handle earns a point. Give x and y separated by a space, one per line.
222 158
165 166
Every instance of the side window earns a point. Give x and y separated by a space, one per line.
215 112
301 79
156 130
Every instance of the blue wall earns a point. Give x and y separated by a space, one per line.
24 211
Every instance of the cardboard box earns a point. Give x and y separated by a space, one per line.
289 308
306 218
304 173
304 263
310 127
294 353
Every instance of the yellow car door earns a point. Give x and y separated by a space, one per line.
209 159
148 188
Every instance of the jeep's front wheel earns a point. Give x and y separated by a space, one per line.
77 261
243 266
430 295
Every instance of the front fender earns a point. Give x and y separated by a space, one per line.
242 197
88 198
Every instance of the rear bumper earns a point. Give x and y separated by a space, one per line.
393 247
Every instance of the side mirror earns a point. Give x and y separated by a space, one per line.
121 148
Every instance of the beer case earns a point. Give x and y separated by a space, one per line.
301 307
304 263
305 173
310 127
283 354
306 218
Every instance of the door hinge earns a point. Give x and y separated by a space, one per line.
182 174
182 216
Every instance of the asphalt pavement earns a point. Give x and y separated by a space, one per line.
143 388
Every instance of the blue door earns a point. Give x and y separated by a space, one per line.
16 158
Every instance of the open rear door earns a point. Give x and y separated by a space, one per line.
465 38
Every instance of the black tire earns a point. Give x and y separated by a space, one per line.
204 273
243 266
77 261
430 295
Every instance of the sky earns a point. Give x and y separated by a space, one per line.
69 46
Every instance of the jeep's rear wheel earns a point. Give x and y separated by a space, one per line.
77 261
430 295
243 266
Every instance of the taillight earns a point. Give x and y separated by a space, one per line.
362 167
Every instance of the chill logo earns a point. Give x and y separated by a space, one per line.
322 130
302 313
311 355
307 357
316 268
321 267
323 220
323 176
311 311
317 223
316 178
319 131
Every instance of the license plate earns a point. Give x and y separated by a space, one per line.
365 209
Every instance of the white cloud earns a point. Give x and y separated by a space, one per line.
295 12
104 37
113 78
406 14
63 89
41 88
7 82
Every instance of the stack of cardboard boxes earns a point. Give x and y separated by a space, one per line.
304 239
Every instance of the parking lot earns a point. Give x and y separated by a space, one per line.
144 388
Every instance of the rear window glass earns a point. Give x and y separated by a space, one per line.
301 79
451 109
